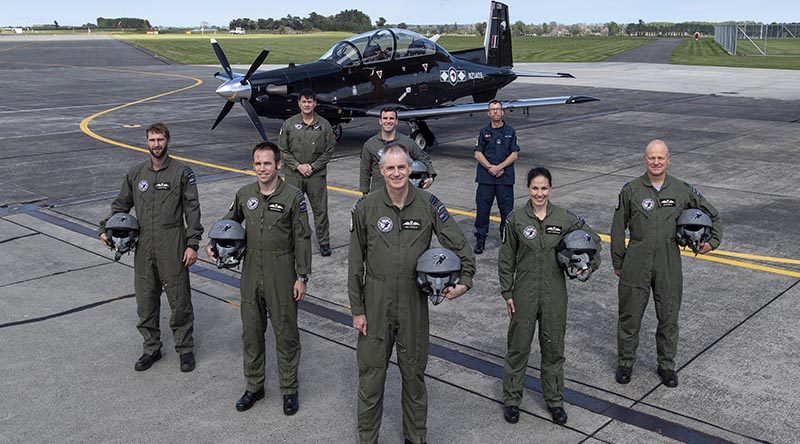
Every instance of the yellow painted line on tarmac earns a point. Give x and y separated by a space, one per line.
755 257
344 190
712 256
721 260
84 125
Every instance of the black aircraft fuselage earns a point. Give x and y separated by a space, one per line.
345 93
385 68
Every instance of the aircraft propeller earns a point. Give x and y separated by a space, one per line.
237 88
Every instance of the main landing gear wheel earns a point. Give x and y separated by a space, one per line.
422 135
419 139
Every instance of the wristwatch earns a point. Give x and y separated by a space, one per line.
302 278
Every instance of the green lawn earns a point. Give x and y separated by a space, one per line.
776 47
556 49
195 49
707 52
239 49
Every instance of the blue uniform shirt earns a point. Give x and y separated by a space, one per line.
496 144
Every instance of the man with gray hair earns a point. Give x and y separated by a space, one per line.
389 230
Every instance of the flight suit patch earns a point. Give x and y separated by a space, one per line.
385 224
552 229
298 125
190 176
303 207
163 186
143 185
252 203
666 202
441 210
411 224
529 232
317 128
276 207
648 204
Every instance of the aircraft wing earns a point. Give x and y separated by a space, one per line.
469 108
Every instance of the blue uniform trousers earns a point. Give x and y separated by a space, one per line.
484 198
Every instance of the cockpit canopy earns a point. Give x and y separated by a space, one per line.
379 46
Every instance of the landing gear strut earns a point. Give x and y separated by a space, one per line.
337 131
421 134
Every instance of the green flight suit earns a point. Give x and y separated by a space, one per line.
278 249
532 277
385 243
163 199
370 177
312 144
652 260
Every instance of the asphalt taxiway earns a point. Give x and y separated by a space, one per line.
71 124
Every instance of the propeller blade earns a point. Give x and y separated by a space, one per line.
254 118
256 63
225 110
222 59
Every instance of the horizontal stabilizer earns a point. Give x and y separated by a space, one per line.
542 74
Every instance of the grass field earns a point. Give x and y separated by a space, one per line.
706 52
776 47
556 49
195 49
240 49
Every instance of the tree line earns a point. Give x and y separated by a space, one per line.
349 20
123 22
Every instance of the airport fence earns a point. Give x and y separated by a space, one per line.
782 39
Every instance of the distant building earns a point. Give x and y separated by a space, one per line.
238 30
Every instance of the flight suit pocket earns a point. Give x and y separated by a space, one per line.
319 142
371 350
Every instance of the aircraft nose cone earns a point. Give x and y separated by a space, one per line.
234 90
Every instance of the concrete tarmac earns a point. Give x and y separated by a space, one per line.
67 318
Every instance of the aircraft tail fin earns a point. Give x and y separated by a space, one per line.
497 41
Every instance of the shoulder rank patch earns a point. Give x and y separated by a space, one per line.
441 210
190 175
578 218
353 212
360 199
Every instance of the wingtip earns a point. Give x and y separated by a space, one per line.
582 99
566 74
213 40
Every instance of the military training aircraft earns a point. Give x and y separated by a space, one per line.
361 75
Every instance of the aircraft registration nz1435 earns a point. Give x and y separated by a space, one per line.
359 76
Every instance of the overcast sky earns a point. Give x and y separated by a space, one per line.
192 13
